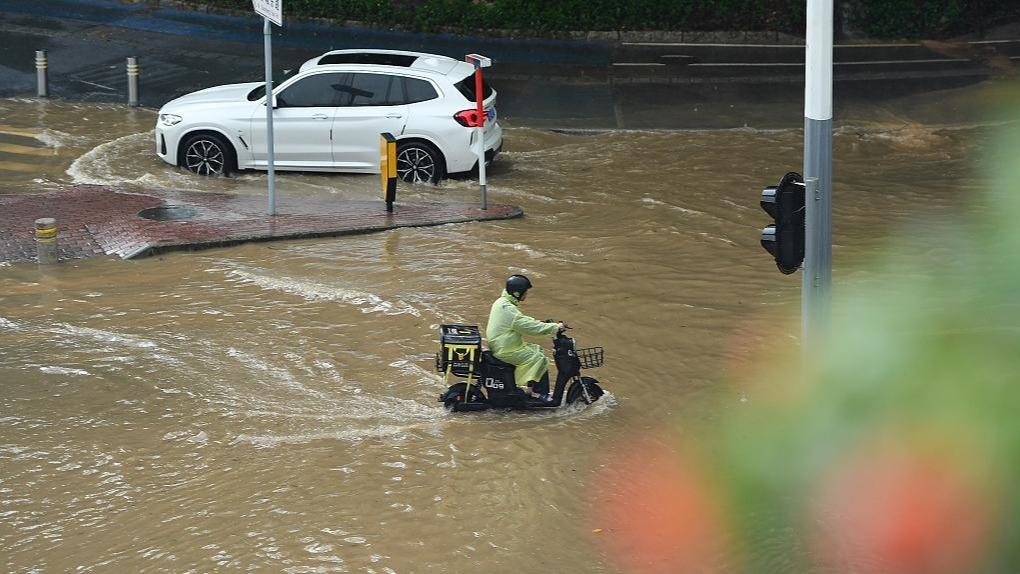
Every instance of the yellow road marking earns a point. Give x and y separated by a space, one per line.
18 131
26 150
15 166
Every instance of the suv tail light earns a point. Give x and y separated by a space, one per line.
468 118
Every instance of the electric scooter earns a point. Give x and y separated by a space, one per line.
489 383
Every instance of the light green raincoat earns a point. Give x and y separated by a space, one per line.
504 330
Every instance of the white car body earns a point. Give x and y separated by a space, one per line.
317 136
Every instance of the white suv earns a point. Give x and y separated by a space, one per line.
328 117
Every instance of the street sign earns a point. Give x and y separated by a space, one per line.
271 10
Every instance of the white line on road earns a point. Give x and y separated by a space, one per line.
97 85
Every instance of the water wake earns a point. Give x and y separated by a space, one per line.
315 291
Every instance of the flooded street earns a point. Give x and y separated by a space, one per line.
272 406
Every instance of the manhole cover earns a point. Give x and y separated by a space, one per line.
168 213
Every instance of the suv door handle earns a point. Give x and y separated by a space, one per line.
320 117
394 116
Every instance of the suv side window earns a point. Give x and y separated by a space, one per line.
315 91
374 90
364 89
418 91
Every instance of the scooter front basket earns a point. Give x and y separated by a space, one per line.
590 357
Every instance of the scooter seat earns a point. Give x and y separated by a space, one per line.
492 360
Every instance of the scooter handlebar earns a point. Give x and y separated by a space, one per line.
564 323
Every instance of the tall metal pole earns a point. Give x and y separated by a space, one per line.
817 287
267 33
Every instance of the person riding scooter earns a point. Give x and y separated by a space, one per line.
505 330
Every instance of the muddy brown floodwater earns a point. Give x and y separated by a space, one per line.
272 406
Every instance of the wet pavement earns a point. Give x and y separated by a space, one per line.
272 406
95 220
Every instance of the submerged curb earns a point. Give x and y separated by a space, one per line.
101 221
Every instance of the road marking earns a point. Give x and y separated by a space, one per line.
15 166
874 62
786 46
26 150
108 88
11 130
994 42
932 61
690 45
754 64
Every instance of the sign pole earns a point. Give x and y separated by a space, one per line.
267 32
480 131
817 286
479 62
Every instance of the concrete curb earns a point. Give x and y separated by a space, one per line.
96 221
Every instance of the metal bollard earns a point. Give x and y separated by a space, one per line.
132 73
41 74
46 241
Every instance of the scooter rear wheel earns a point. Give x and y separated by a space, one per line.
455 395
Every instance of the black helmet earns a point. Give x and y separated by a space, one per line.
517 285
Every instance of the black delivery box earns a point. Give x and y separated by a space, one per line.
460 348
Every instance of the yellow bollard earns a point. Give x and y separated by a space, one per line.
388 169
46 241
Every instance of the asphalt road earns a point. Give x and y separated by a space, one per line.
543 83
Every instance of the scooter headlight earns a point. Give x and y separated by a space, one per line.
169 119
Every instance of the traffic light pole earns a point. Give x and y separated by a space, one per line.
817 288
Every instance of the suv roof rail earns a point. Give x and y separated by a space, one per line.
397 58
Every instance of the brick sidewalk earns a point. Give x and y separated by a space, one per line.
94 220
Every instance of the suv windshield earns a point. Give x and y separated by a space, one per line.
278 78
467 88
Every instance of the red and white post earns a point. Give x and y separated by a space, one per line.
479 62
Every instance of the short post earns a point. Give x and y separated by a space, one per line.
388 169
41 74
132 77
46 241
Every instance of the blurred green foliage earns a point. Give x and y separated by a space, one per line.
896 446
879 18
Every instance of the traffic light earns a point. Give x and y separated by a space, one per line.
785 239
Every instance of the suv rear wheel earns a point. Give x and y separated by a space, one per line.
208 154
419 162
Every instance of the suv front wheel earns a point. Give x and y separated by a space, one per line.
419 162
208 154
